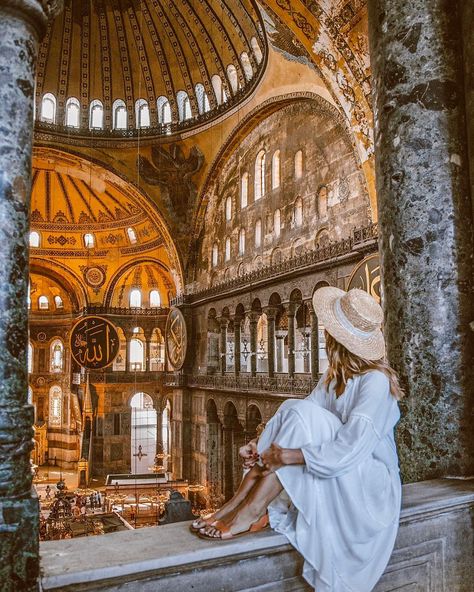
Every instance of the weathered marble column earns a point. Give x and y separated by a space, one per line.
22 24
314 344
224 323
237 344
291 342
253 343
128 338
148 337
426 222
271 316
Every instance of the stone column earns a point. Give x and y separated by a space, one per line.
271 316
224 323
426 222
237 345
314 344
253 343
22 24
148 337
128 337
291 342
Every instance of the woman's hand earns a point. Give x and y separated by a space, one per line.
272 458
249 454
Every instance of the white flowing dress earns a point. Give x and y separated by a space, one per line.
341 509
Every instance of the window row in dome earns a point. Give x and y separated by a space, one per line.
136 299
120 114
88 239
297 221
44 304
260 178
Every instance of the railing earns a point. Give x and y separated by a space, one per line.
320 254
121 377
127 311
298 385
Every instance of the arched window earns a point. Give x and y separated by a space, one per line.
257 52
242 241
227 249
246 65
258 233
202 98
96 115
260 175
155 299
233 78
276 223
142 113
58 302
132 236
120 118
322 203
135 298
244 190
215 255
164 110
89 240
219 90
55 405
35 239
298 212
56 356
72 112
136 354
43 303
30 358
276 169
298 164
48 108
228 209
184 105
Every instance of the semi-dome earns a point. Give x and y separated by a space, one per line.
116 66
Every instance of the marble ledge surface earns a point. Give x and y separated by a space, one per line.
117 555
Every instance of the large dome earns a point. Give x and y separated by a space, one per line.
163 66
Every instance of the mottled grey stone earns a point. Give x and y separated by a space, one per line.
21 23
426 223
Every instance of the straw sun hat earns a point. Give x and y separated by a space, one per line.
353 318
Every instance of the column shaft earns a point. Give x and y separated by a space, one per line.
223 346
426 222
271 343
21 26
291 344
314 345
237 347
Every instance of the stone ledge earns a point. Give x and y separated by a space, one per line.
136 560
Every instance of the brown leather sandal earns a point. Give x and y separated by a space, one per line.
260 524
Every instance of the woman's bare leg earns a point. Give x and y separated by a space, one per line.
253 507
246 485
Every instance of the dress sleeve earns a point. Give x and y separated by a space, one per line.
372 416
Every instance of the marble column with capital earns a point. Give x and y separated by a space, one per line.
271 319
223 323
237 345
22 25
253 342
291 342
426 227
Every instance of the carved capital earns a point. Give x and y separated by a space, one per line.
36 12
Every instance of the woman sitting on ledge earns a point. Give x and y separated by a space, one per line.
326 467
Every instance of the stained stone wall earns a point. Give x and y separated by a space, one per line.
332 189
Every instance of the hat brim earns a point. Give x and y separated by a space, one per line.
371 347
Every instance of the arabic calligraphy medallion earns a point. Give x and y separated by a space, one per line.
366 276
176 338
94 342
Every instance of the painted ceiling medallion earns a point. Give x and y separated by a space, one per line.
94 276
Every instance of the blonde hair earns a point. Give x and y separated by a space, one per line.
343 365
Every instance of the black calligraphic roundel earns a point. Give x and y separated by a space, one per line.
176 338
94 342
366 276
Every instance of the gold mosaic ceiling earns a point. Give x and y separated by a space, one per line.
146 49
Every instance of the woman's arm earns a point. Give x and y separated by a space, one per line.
276 457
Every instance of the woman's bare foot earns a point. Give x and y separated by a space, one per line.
229 508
